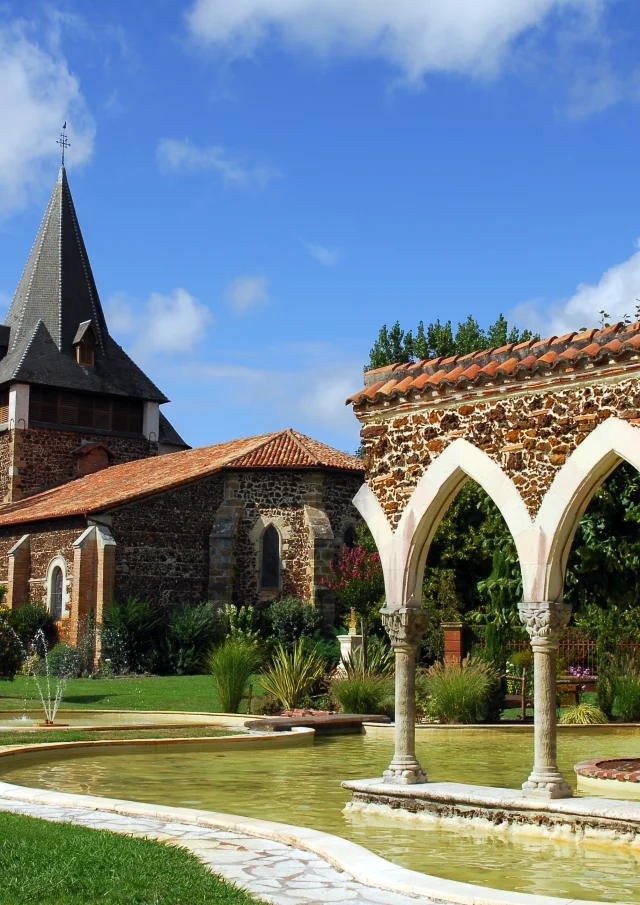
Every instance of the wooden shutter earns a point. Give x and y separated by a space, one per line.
4 406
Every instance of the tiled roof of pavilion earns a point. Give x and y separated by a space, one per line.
131 481
610 348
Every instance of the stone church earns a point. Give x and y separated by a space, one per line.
102 499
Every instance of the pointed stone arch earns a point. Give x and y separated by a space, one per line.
404 551
610 443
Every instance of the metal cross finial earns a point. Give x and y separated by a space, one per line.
63 141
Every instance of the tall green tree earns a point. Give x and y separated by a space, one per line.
397 346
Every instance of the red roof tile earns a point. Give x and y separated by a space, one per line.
134 480
509 363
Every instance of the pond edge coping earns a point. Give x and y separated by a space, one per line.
355 860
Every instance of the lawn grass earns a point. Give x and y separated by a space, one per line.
189 693
89 735
60 864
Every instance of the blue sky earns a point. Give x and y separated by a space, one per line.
263 183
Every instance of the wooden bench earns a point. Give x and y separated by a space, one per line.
564 684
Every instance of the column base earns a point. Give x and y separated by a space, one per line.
408 774
547 786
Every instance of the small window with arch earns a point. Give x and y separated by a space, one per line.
270 572
56 593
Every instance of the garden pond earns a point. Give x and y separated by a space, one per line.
302 786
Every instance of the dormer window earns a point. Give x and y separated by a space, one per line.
85 343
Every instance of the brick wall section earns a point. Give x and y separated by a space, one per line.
47 540
44 456
163 543
19 572
529 435
84 587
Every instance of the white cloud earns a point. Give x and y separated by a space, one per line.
37 94
308 392
183 156
247 292
416 36
164 325
617 293
324 254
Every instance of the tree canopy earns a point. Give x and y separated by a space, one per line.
397 346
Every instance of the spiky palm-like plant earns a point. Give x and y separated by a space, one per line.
292 674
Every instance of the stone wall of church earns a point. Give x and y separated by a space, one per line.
162 542
5 462
279 497
529 434
44 456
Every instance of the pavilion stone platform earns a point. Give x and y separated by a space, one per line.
601 819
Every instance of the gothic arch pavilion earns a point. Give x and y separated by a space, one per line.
539 425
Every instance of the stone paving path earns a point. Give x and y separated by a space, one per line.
272 871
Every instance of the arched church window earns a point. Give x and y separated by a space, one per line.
57 593
270 558
350 538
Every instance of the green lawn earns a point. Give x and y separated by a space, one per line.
89 735
137 693
59 864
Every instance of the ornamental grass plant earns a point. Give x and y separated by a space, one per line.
292 674
231 665
461 694
364 694
625 685
583 715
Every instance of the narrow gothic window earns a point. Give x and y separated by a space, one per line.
270 558
57 579
350 538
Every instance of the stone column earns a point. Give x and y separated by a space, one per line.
405 626
545 622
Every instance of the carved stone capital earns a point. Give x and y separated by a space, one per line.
405 625
545 621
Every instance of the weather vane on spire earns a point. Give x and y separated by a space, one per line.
63 141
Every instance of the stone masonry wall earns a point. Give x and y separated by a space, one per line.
338 493
281 496
271 495
529 435
44 458
162 542
5 462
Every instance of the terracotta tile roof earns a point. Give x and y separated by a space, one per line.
145 477
509 364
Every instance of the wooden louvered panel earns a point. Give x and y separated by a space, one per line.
135 418
68 408
102 413
85 411
4 406
120 415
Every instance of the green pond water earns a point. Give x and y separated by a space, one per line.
302 786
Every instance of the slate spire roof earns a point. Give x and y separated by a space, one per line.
55 299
